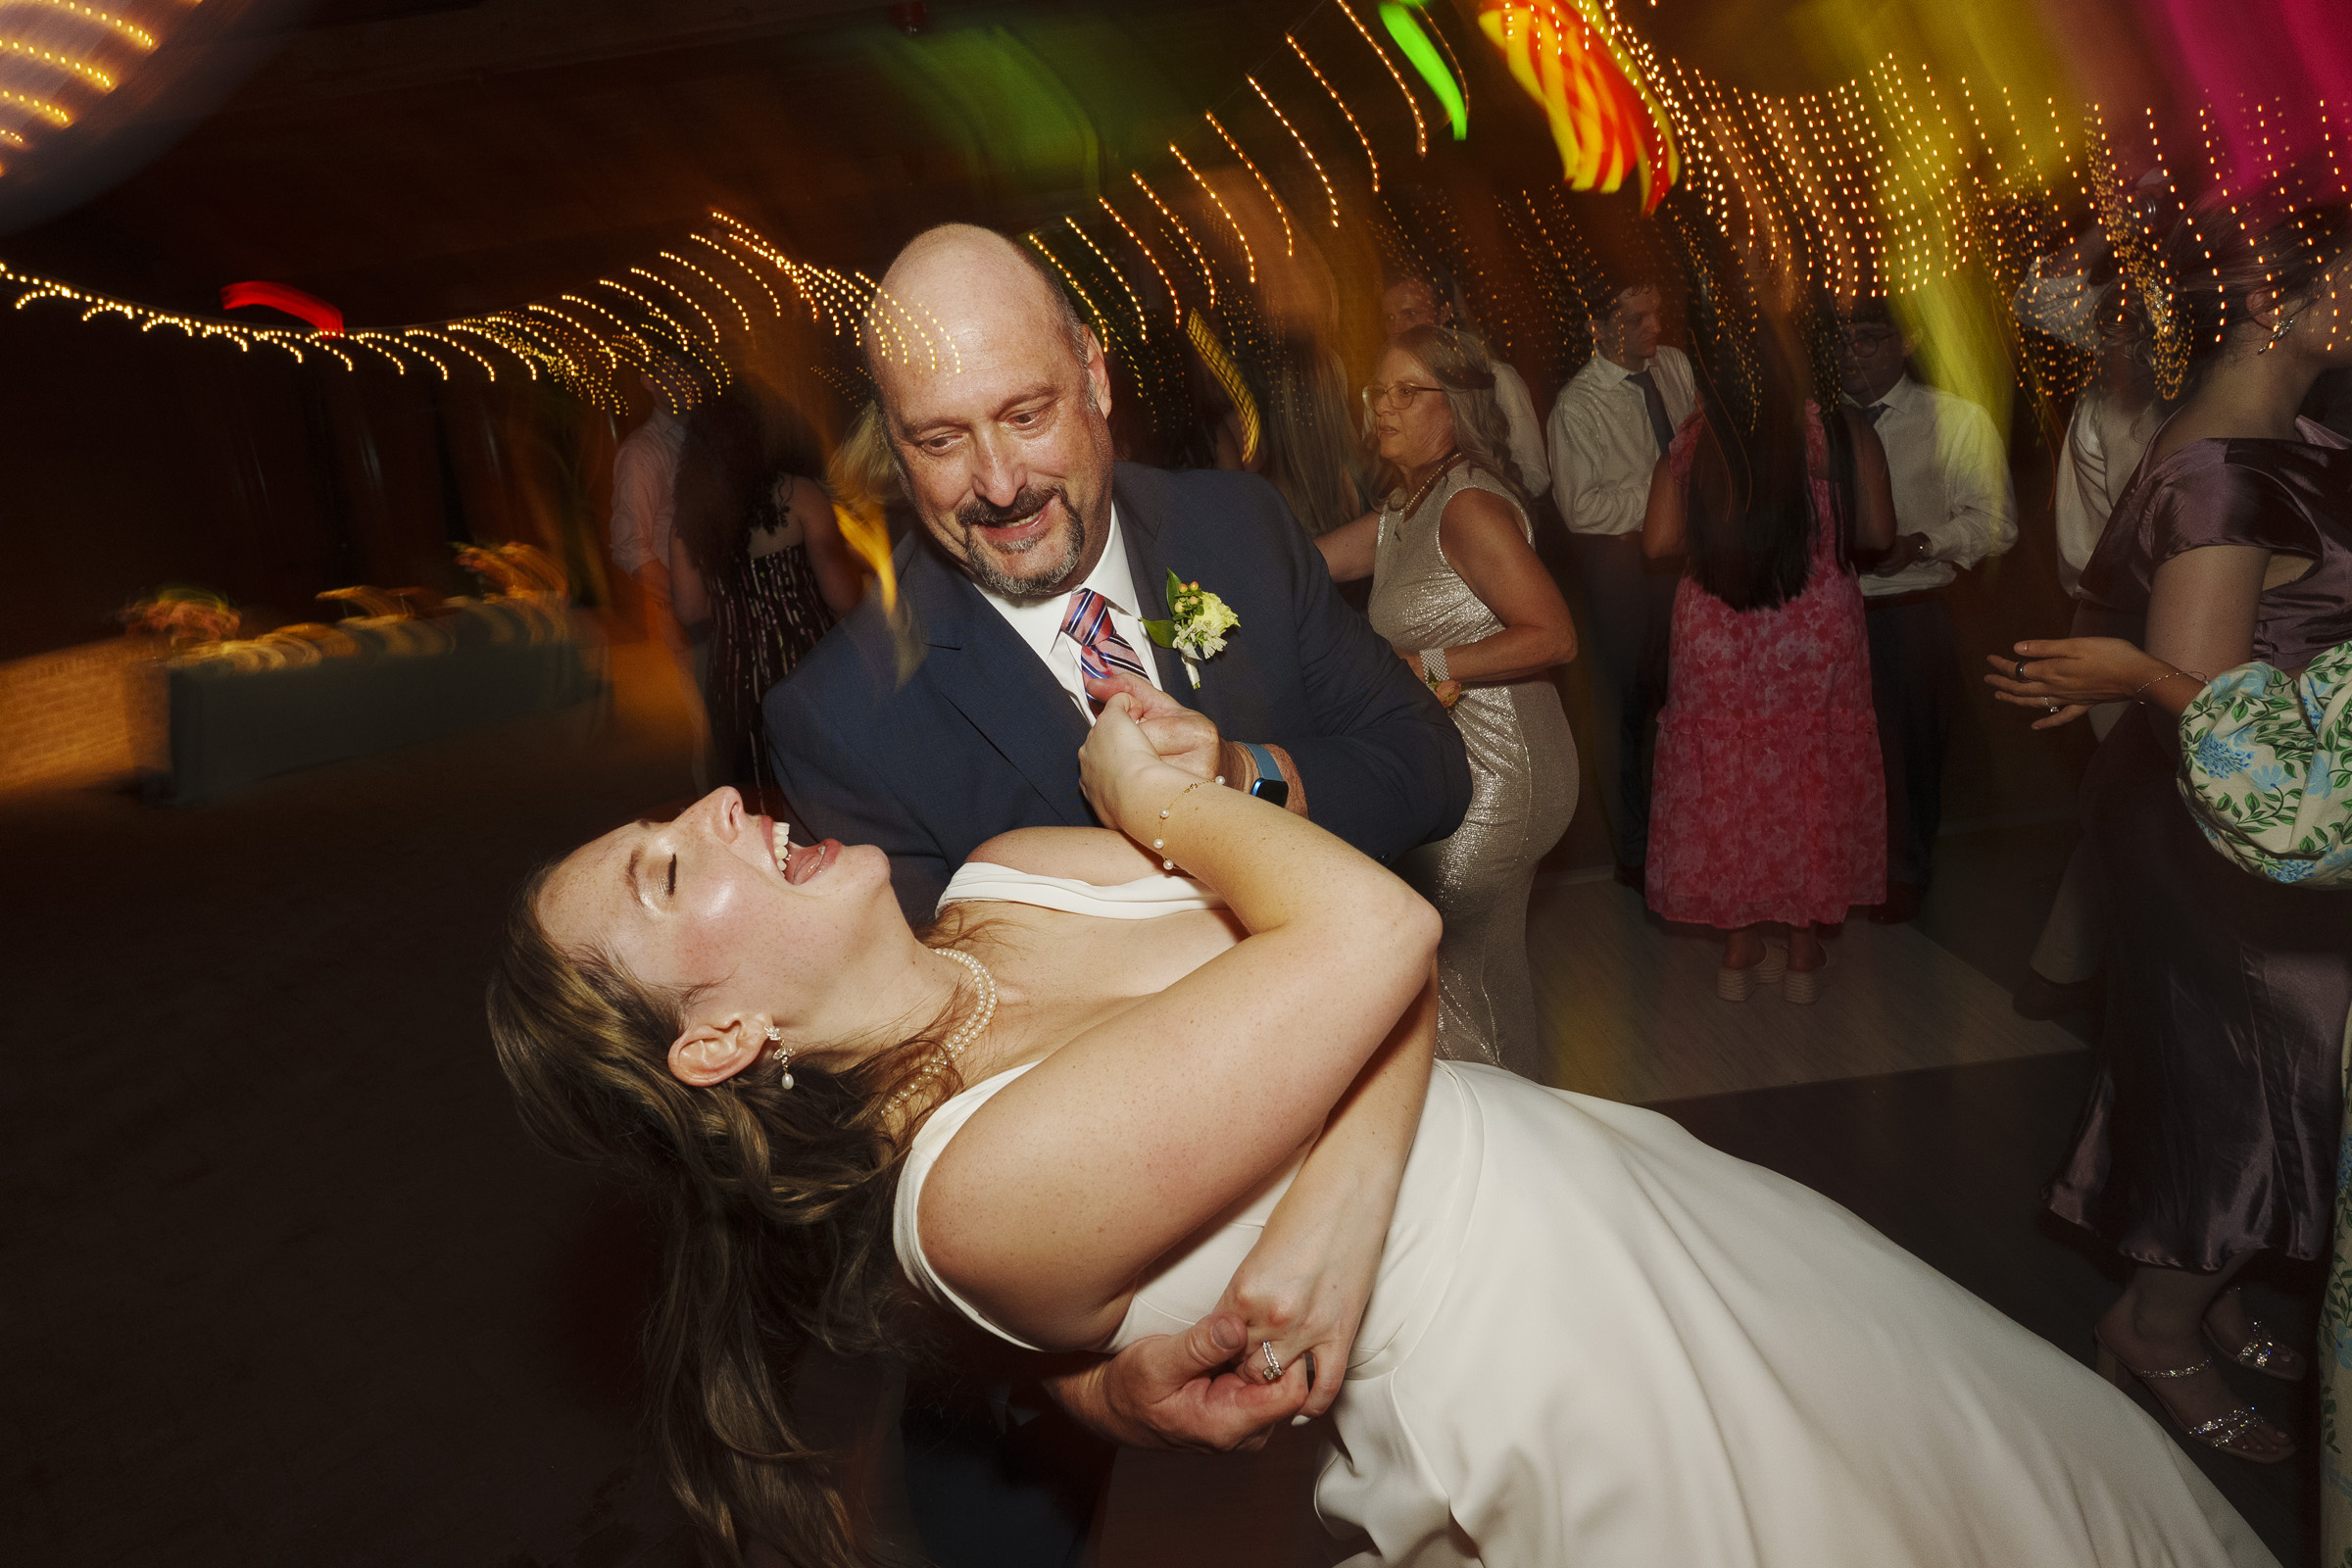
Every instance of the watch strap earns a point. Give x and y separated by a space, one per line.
1263 759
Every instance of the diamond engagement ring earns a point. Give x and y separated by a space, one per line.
1273 1361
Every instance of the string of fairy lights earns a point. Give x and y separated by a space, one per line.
59 56
1890 183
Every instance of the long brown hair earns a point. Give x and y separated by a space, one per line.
1466 378
775 1208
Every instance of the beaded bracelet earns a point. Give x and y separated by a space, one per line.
2201 677
1162 844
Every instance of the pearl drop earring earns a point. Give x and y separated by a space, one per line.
782 1054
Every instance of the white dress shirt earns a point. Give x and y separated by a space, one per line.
1603 448
1951 483
645 500
1039 622
1527 433
2103 448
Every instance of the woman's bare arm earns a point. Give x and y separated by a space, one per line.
1065 1187
1348 548
1873 488
2201 607
1480 535
840 579
1662 525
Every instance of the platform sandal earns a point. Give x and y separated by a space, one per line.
2224 1432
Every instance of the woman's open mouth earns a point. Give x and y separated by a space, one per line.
798 862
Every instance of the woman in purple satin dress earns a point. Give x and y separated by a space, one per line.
2211 1131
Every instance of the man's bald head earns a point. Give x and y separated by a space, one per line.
996 400
961 273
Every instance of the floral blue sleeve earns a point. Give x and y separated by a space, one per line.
2267 769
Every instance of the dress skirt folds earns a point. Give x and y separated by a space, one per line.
2210 1129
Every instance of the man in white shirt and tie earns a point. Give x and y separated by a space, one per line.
1953 507
1609 427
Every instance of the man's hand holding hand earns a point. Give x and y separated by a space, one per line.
1184 737
1178 1390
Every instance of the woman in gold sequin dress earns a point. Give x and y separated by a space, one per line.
1459 593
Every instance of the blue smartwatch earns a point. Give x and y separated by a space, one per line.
1269 786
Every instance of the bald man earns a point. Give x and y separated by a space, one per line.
1038 563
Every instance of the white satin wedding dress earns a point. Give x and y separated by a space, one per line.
1594 1341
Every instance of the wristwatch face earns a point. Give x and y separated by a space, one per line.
1272 791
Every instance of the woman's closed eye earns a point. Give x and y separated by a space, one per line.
673 876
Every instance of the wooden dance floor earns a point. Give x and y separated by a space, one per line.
282 1283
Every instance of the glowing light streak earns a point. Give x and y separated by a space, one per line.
39 106
1248 257
684 339
725 293
1405 28
69 64
1102 322
1604 125
580 327
1229 376
1182 234
1143 323
362 340
1312 162
1420 127
520 357
737 262
692 303
1317 70
1165 282
1288 247
428 355
104 19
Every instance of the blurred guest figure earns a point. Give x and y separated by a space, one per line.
1608 428
1458 592
1953 507
1303 442
1438 301
758 568
2211 1132
645 472
1769 805
2072 295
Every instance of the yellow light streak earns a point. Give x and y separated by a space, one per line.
91 14
39 106
1420 127
1143 324
1166 282
1248 257
1304 59
739 264
69 64
1312 162
1289 246
692 303
1182 234
725 293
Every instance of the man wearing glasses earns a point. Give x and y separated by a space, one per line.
1609 427
1953 507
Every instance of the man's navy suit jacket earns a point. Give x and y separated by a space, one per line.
982 739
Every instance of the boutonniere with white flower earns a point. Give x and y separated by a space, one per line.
1196 624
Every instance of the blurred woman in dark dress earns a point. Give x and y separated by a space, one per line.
758 566
2211 1132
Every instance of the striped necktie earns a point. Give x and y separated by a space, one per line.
1100 648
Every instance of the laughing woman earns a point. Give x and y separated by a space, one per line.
1093 1099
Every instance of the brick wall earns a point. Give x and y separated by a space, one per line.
81 716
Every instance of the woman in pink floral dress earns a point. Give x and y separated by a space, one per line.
1769 805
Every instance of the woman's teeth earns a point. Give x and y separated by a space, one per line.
784 849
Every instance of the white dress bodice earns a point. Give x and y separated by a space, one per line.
1593 1340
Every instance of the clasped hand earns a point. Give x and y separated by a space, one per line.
2066 676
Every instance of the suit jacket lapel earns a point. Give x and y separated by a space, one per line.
1139 526
997 681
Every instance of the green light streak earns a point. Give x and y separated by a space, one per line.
1406 30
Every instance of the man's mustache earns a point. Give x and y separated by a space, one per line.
979 512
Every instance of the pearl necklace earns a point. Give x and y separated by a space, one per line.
1427 485
953 1050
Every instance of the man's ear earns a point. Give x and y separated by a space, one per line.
712 1051
1097 373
